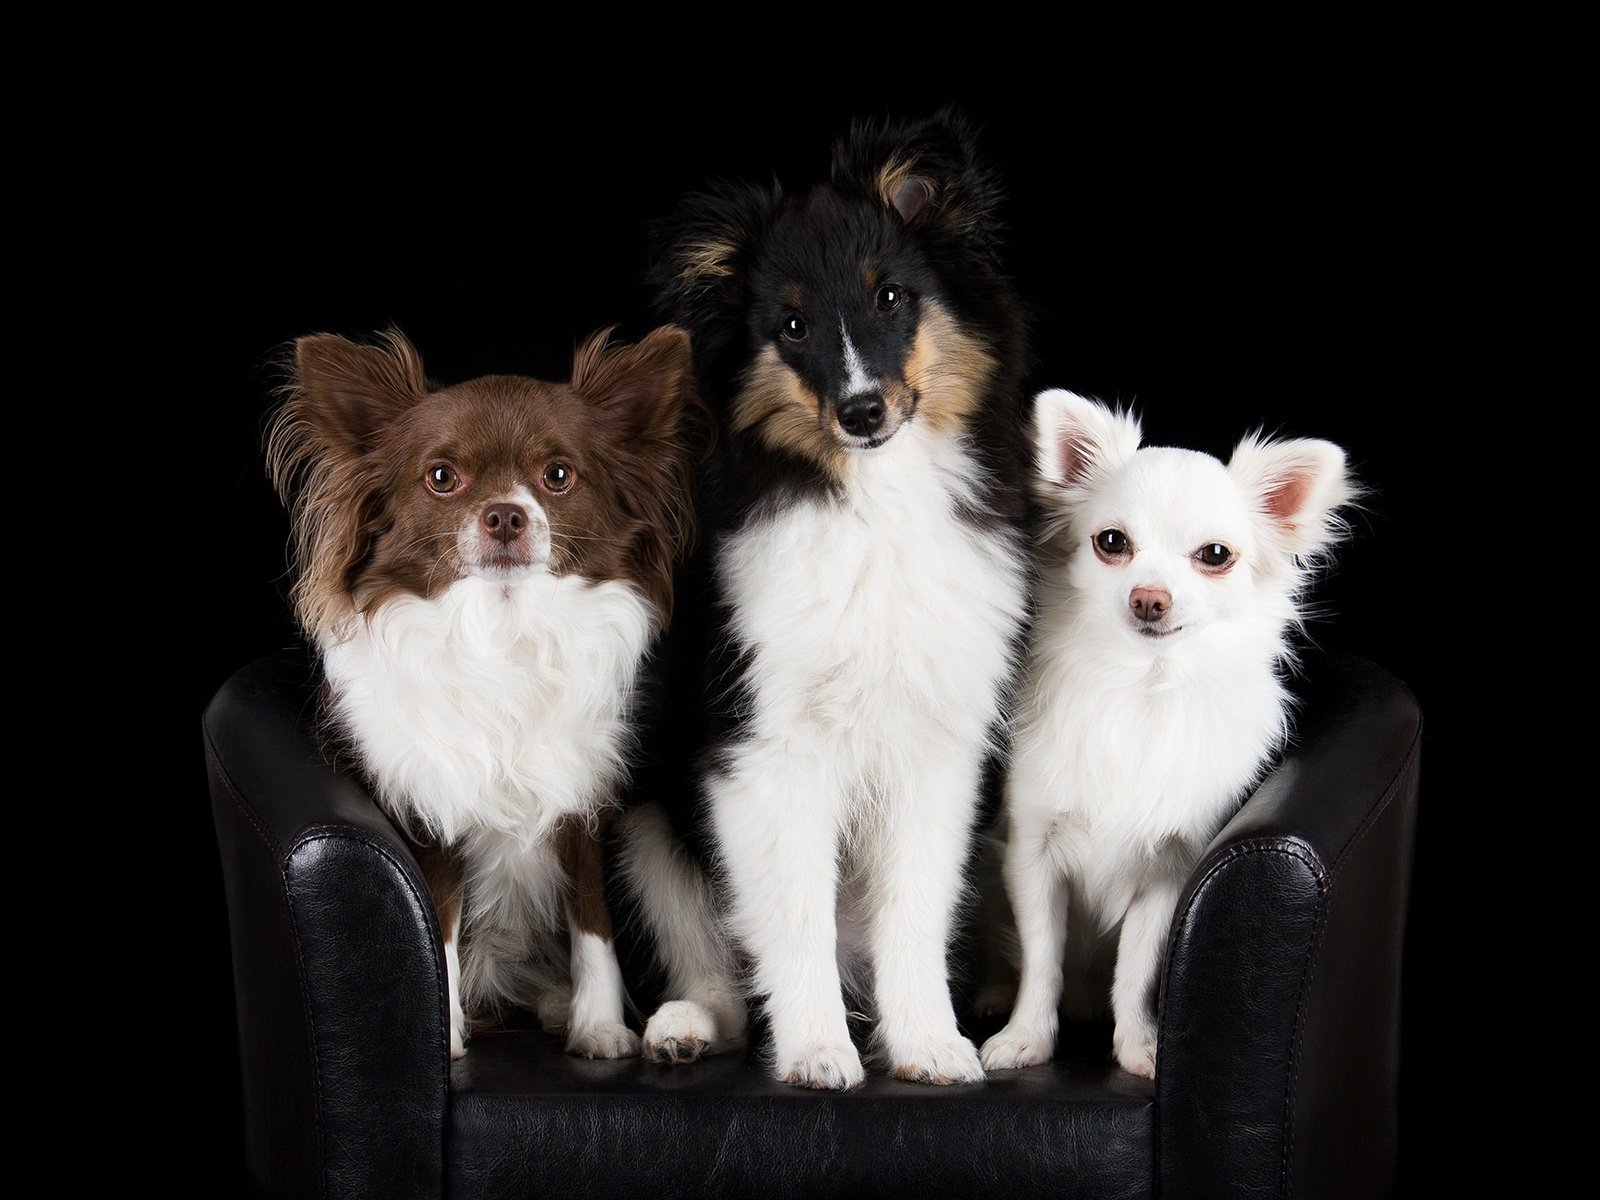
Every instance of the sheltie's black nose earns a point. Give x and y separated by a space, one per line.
862 416
503 522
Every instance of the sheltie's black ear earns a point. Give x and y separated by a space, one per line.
705 248
928 171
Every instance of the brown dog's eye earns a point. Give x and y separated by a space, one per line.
890 297
442 479
794 330
558 476
1214 555
1112 543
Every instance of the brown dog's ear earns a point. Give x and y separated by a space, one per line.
645 386
348 391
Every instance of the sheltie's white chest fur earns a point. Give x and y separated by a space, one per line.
1132 754
878 624
491 711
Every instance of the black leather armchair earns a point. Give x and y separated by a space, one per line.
1279 1015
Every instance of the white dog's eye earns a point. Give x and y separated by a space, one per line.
1213 556
1111 544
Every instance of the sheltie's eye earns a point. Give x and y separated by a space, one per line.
1213 556
890 297
442 478
794 330
1111 544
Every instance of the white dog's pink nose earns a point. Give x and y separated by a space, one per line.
1150 604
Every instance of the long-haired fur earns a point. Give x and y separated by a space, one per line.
483 569
1171 583
862 349
324 469
328 457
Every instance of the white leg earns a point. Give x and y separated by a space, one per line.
595 1027
1139 950
452 971
776 818
706 1013
1038 893
916 860
442 869
594 1024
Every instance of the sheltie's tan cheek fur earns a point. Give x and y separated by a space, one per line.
943 383
947 369
785 413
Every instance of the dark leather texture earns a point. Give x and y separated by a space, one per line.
338 969
1278 1052
527 1122
1279 1014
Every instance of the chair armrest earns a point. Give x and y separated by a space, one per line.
337 960
1280 1000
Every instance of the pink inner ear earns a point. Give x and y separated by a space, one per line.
1288 496
910 196
1076 456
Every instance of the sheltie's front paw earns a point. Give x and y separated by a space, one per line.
939 1061
603 1041
835 1066
1015 1047
680 1031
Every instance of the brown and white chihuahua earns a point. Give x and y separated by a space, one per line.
482 569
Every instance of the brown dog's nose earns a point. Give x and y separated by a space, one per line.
504 522
1150 604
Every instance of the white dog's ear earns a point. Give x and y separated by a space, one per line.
1076 439
1298 488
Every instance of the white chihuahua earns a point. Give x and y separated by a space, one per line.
1170 584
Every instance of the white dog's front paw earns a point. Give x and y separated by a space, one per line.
938 1061
680 1032
1136 1052
554 1009
1015 1047
603 1041
832 1065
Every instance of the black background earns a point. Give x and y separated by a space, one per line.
1227 243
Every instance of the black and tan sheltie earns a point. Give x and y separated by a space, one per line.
862 349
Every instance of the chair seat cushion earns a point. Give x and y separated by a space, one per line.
527 1120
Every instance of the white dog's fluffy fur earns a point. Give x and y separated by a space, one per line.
1138 736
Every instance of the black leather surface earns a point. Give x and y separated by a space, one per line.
1278 1044
1279 1051
526 1121
336 962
